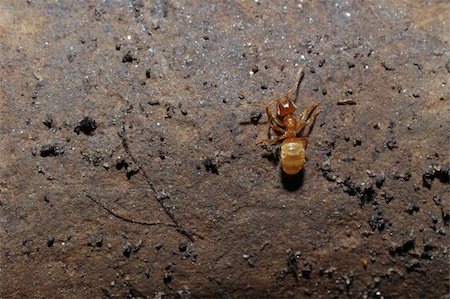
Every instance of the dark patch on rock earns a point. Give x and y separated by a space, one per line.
211 165
50 241
402 176
413 265
412 208
48 122
148 73
134 293
366 193
388 197
127 248
358 141
326 170
391 143
255 116
437 200
445 217
428 249
377 221
130 168
185 250
351 188
51 150
271 153
437 171
387 66
168 274
379 180
185 293
86 126
403 248
182 246
127 58
307 270
95 241
153 102
292 267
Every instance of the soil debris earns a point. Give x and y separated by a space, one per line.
377 221
440 172
50 241
86 126
128 58
292 267
211 165
402 248
379 180
168 274
365 192
51 150
391 143
48 122
347 102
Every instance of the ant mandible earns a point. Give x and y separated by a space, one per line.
286 127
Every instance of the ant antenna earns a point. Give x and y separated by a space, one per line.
297 83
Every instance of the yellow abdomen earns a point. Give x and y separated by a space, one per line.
293 154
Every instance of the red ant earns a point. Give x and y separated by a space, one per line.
286 126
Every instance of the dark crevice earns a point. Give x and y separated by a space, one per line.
160 196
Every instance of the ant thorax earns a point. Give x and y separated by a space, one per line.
289 122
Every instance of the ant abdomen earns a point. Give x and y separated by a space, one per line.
293 154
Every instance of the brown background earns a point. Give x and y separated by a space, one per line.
175 75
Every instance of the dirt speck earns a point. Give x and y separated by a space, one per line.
86 126
51 150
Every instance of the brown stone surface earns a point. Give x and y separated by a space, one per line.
116 113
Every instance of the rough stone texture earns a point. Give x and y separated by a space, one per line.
117 114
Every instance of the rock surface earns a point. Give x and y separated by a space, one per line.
129 166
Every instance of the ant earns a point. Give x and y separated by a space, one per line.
287 126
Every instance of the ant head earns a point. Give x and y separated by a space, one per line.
285 106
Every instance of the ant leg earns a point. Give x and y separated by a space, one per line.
305 117
304 139
252 105
269 112
311 119
272 140
277 139
273 117
277 128
307 112
255 105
